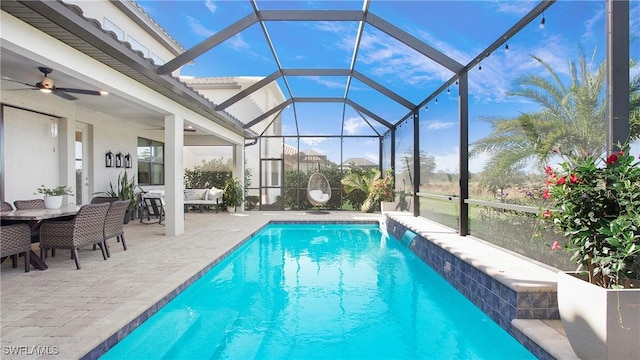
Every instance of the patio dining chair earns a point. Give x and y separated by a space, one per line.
114 225
33 204
16 239
6 206
104 199
29 204
86 228
152 206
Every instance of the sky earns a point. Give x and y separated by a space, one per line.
458 29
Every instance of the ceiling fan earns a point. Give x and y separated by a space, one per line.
47 85
187 128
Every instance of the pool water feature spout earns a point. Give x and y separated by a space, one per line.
407 238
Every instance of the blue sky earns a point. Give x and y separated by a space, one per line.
459 29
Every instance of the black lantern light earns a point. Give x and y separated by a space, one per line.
127 161
119 160
108 159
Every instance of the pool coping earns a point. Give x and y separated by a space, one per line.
518 293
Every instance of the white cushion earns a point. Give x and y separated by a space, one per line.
215 193
192 194
317 195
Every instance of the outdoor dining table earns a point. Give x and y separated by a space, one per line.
34 217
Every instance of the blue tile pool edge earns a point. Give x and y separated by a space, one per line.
112 340
495 299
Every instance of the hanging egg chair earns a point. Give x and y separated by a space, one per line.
318 189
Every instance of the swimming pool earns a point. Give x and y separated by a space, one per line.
312 291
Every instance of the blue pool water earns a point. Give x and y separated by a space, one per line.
332 291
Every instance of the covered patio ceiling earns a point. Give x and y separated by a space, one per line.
342 88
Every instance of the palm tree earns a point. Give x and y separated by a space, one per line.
571 121
353 181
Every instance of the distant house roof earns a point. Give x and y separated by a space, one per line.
290 150
359 162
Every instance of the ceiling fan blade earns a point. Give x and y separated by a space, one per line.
79 91
185 129
64 95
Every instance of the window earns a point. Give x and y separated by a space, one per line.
156 59
136 45
108 25
150 162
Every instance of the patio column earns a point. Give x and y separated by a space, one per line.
463 95
65 131
416 162
617 72
174 174
238 171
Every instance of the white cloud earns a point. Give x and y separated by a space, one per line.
198 28
211 5
519 7
388 57
591 23
352 125
372 157
311 141
439 125
502 68
332 84
237 42
449 162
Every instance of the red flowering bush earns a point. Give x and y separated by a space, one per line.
597 210
382 188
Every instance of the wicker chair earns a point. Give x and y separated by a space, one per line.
29 204
6 206
113 225
86 228
16 239
104 199
318 189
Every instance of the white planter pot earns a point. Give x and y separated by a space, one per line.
591 318
53 202
386 206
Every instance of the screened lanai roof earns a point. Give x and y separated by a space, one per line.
344 67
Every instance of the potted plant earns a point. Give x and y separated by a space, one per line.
53 196
233 193
595 205
125 189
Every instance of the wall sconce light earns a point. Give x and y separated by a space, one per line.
119 160
128 163
108 159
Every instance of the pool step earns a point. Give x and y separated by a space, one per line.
206 339
159 339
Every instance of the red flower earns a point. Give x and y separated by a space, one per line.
573 179
545 194
612 159
556 246
561 180
548 170
547 214
550 179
